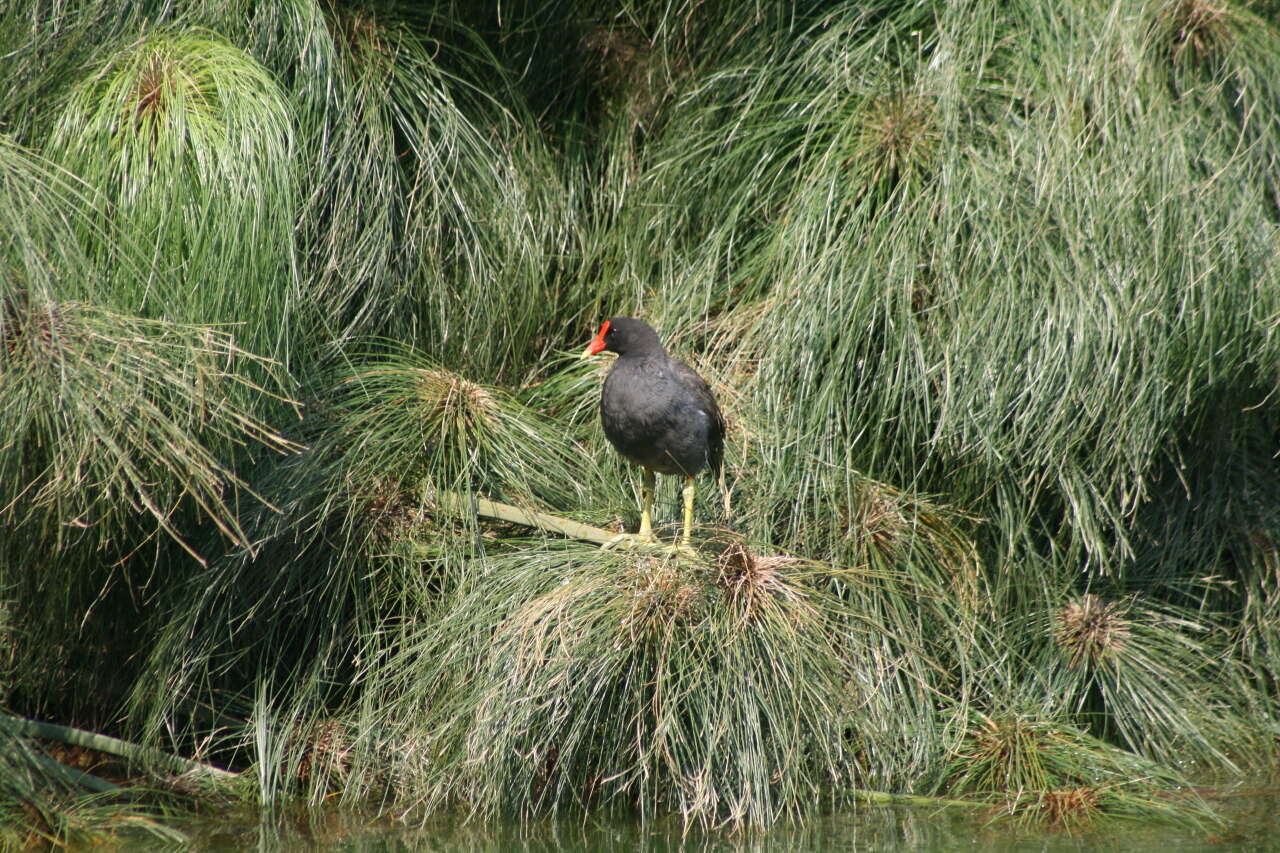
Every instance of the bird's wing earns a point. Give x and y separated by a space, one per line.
707 402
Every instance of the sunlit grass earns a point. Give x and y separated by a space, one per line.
190 144
121 405
733 689
369 526
988 294
1039 771
1154 677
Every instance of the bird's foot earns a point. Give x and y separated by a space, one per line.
628 541
641 542
686 549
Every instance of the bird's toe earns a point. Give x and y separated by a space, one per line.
627 541
622 540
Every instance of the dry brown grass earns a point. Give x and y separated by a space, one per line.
1196 31
1089 629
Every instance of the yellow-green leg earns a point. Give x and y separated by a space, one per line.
647 482
688 512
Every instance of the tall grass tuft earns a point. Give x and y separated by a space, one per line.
421 190
1041 771
736 690
133 399
369 526
1152 677
190 143
115 429
440 430
121 436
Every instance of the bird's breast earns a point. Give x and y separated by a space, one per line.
651 418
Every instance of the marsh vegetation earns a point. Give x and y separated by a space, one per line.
988 293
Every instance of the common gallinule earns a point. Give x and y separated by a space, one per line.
658 413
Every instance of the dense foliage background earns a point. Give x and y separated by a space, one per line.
989 293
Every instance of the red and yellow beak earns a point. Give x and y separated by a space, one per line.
597 343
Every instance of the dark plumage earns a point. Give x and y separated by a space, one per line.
657 411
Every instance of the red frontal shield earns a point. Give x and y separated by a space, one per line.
597 343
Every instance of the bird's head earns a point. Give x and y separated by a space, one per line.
623 335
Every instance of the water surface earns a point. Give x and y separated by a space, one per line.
1252 824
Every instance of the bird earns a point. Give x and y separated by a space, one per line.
658 413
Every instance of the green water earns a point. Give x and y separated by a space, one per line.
1252 824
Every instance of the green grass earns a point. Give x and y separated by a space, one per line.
1038 771
43 805
988 295
568 678
190 143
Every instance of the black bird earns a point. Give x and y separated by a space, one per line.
658 413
